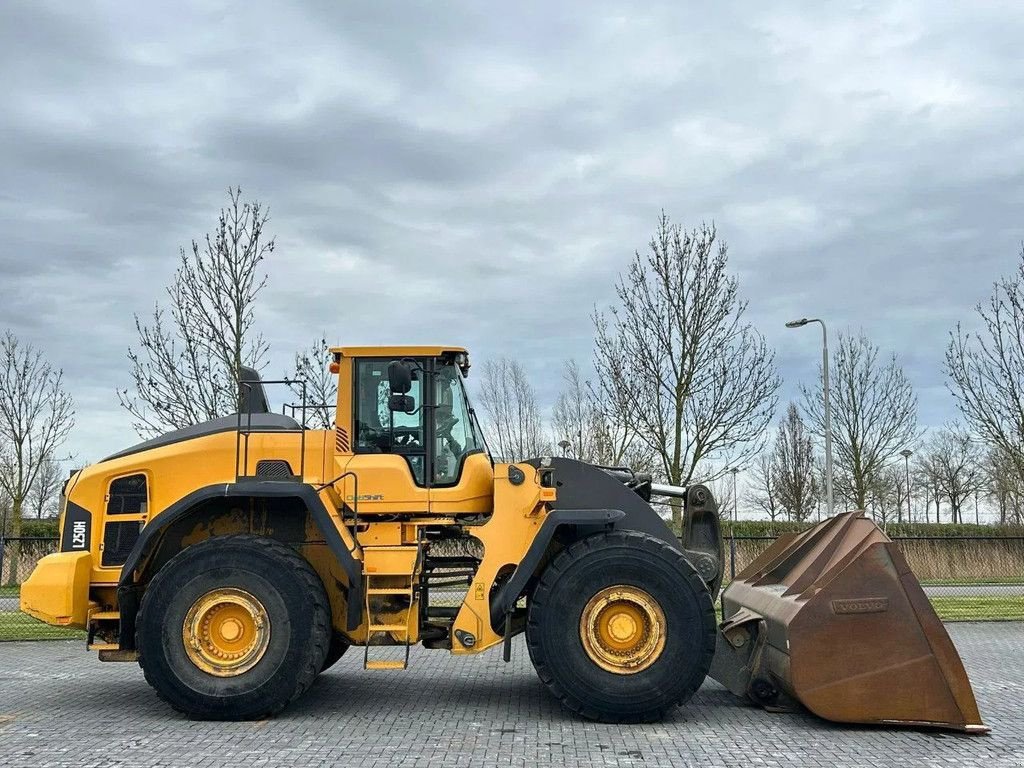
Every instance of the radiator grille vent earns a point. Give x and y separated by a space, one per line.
341 441
118 540
274 469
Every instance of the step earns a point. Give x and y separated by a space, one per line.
406 591
390 561
104 647
119 655
384 664
388 627
105 616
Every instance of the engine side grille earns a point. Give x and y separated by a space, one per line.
118 540
274 469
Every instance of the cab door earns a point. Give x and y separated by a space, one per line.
389 448
462 476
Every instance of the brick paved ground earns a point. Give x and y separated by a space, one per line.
61 707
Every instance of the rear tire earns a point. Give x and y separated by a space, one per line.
663 665
282 648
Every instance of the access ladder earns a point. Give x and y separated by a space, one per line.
391 578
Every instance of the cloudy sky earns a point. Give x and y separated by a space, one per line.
478 173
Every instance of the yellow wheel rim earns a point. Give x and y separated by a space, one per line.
226 632
623 629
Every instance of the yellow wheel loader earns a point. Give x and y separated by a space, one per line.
236 560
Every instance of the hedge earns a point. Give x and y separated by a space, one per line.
895 530
41 528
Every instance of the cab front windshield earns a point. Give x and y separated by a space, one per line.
455 432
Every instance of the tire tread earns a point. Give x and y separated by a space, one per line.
631 540
300 569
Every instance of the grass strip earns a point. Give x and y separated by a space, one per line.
15 625
979 608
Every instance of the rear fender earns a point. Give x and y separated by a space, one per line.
337 538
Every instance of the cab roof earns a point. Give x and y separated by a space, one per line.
404 351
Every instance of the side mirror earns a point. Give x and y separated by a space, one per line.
399 378
401 403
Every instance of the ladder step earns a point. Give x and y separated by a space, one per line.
105 616
390 591
390 560
104 647
384 664
388 627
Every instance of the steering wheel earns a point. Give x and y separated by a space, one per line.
405 437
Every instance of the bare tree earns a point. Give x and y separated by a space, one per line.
515 428
954 460
43 497
573 418
1004 487
312 365
926 479
696 382
185 370
36 415
595 433
874 415
793 466
762 493
895 478
886 494
5 512
986 369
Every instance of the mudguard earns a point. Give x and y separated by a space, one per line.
583 486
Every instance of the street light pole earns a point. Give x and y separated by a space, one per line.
905 453
828 407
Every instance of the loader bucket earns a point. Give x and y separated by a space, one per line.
833 619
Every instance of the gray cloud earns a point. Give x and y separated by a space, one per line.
479 175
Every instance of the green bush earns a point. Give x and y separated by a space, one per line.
42 528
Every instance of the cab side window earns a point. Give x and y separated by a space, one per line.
378 429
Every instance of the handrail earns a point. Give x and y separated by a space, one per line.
355 498
247 385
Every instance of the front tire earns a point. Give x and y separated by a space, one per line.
233 628
621 628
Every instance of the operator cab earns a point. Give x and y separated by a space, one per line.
416 406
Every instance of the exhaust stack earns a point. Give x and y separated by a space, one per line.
834 619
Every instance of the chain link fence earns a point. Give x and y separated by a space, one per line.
968 578
18 556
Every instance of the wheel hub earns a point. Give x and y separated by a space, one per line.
226 632
623 629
